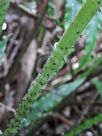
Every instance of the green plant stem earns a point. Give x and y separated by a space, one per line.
86 125
54 63
4 4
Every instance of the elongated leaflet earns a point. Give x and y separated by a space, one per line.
55 62
87 124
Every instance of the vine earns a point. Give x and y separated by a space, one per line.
54 63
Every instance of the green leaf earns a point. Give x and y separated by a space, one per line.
92 35
72 7
47 103
4 4
86 125
2 47
91 31
50 8
98 85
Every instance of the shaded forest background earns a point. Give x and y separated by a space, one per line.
31 41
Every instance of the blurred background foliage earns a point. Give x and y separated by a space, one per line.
74 94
